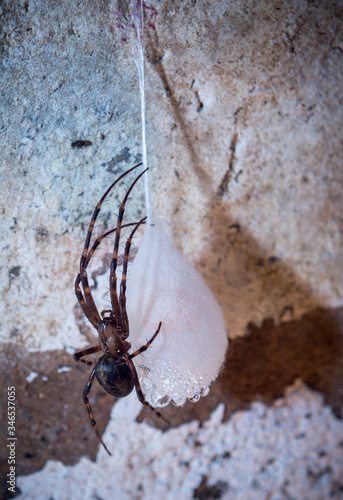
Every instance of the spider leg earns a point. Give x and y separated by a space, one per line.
97 209
122 297
144 347
113 277
100 238
86 401
86 300
84 305
105 311
87 294
85 352
139 390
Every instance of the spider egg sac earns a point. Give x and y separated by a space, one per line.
187 354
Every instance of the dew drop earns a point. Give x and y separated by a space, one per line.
195 398
159 401
204 391
178 400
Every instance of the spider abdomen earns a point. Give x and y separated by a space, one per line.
116 379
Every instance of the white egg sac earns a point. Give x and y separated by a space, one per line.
187 354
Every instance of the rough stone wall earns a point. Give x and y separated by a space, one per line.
244 134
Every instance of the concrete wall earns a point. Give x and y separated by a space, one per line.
244 135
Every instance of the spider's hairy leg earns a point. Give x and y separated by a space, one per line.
85 352
145 347
88 312
88 298
140 393
113 277
86 401
133 370
85 299
122 297
100 238
97 209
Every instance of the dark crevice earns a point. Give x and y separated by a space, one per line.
229 174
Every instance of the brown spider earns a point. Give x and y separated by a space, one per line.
114 370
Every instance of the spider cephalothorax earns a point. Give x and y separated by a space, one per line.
115 370
111 342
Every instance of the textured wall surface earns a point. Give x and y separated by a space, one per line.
244 136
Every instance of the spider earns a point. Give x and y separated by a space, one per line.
114 370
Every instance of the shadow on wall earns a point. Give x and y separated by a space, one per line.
155 56
261 365
272 354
